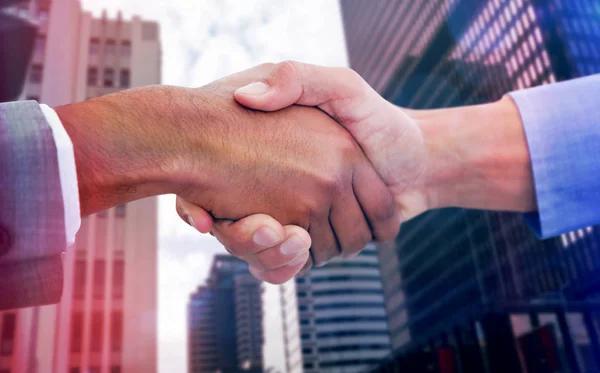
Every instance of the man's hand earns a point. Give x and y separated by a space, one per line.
296 165
473 157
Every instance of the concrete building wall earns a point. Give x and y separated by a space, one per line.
291 327
110 286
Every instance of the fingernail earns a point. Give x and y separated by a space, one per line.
254 89
292 245
266 236
298 260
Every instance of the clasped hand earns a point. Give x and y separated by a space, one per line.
299 189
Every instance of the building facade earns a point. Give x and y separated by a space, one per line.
106 321
341 316
475 291
225 332
290 318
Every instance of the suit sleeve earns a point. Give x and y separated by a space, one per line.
32 216
562 127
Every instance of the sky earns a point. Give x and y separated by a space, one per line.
203 40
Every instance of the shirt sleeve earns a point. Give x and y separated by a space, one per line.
562 127
68 173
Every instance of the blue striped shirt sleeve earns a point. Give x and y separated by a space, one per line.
562 127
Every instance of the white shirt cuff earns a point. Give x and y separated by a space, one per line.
68 173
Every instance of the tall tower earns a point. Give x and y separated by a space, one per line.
341 315
225 332
476 291
106 321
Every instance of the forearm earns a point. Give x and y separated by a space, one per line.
478 157
121 150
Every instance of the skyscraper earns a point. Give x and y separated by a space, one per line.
341 316
475 291
106 320
225 332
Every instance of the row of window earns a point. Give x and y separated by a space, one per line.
339 319
316 280
108 78
344 305
99 275
110 47
113 369
342 363
96 334
346 348
318 293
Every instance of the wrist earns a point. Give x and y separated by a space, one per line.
115 162
478 157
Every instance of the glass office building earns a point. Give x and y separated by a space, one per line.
476 291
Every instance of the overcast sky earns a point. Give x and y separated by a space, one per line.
203 40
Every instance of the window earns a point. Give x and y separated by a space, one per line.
8 333
99 276
80 277
40 45
124 78
109 77
92 76
111 48
116 331
126 48
96 335
118 277
76 332
35 75
94 47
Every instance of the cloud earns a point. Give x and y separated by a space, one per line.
201 42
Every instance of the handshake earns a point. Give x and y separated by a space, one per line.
290 165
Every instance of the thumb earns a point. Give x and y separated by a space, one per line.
278 90
340 92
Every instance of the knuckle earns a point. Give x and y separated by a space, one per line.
286 70
353 79
266 65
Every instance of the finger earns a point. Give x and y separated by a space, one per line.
282 274
296 244
377 202
249 235
325 245
194 215
307 266
350 224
